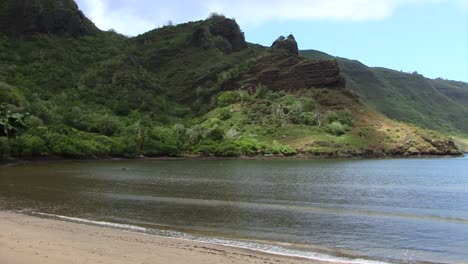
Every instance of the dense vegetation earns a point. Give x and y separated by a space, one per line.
190 89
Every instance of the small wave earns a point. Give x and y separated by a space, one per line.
91 222
259 247
287 252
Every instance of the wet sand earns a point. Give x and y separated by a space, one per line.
31 240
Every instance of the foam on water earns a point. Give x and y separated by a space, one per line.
264 248
91 222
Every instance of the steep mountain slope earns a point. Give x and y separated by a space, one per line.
192 89
457 91
438 104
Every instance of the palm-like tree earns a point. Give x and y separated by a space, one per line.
10 123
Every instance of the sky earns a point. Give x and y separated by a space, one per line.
427 36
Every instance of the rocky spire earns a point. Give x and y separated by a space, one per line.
287 44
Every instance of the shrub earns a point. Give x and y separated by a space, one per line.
288 151
309 118
161 142
131 148
308 104
212 122
272 96
215 15
4 148
89 148
179 131
155 148
295 112
206 149
33 121
232 134
104 124
223 149
262 92
29 145
112 146
336 128
63 145
226 149
277 148
248 146
69 143
228 98
10 95
344 117
288 101
216 134
196 134
300 111
257 112
225 114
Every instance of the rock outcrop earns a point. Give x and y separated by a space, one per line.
221 33
230 31
442 146
288 45
29 17
284 69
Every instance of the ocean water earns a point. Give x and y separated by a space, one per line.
350 211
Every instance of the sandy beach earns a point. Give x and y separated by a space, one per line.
31 240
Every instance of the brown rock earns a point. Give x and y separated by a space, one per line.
288 45
292 73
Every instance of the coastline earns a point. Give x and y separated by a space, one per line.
22 161
27 239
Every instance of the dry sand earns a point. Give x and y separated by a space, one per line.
31 240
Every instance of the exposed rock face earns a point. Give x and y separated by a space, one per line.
285 71
230 31
28 17
286 44
430 145
442 146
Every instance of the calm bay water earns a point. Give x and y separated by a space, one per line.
391 210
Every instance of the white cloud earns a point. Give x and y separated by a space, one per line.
133 17
102 14
261 11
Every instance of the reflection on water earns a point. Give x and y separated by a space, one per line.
410 210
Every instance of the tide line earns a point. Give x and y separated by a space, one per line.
263 248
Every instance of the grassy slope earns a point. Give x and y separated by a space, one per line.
435 104
462 143
162 94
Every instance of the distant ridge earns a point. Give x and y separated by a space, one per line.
436 104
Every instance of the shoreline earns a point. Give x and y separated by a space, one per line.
23 161
27 239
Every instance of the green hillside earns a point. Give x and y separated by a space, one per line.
192 89
438 104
